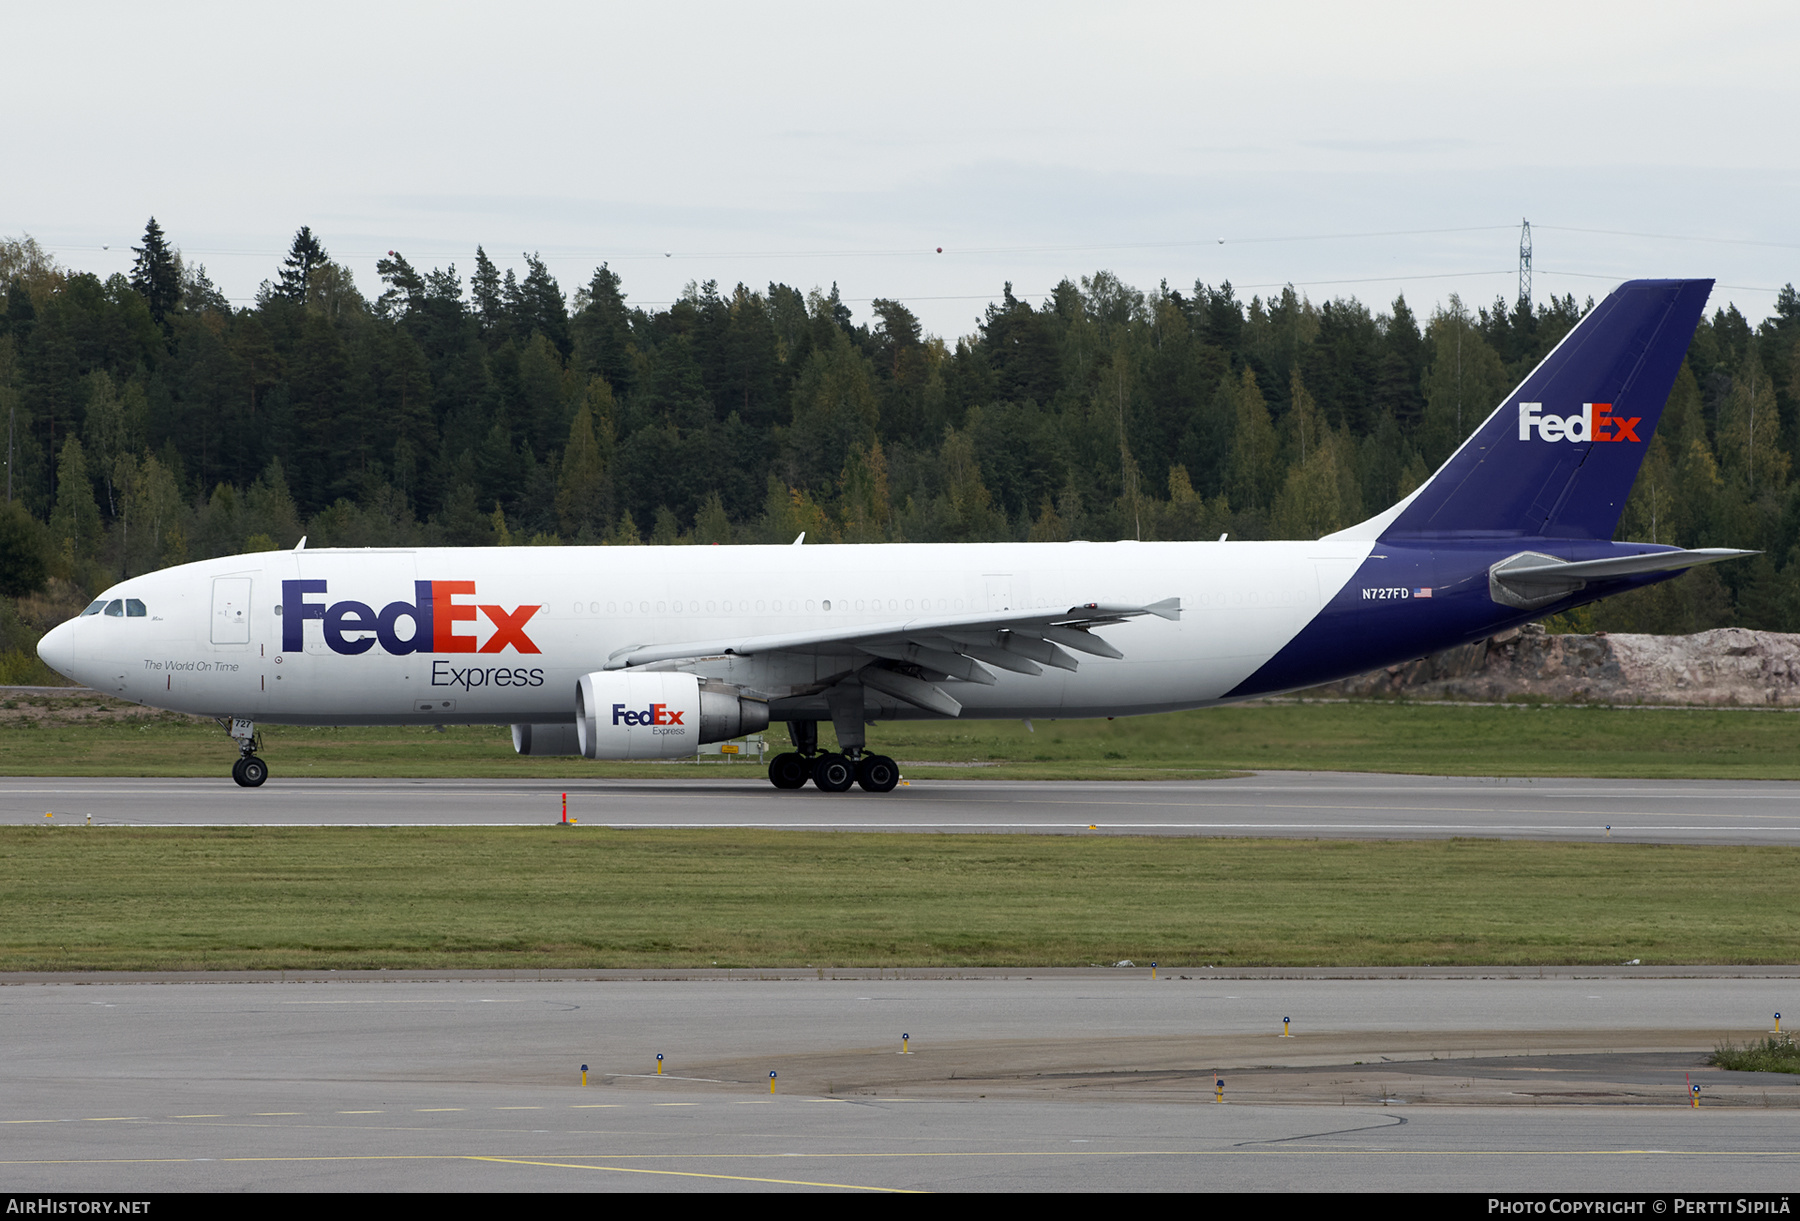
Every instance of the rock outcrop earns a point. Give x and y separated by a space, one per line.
1724 667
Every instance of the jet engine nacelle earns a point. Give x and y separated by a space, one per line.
559 738
624 714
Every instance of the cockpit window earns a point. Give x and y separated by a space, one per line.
134 608
116 609
95 609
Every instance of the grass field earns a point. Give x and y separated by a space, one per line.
77 898
96 737
1775 1054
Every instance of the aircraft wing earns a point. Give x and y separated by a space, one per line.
908 658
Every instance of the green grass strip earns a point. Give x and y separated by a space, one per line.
186 898
1775 1054
1537 740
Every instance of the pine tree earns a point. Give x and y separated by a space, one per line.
304 256
582 493
75 521
156 272
1253 470
484 288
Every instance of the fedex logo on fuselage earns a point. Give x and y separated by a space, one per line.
431 620
1595 423
655 714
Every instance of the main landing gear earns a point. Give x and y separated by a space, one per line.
831 772
249 770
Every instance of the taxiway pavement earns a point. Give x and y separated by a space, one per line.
1081 1080
1288 804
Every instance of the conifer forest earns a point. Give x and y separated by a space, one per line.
150 423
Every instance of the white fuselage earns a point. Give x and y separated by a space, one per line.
213 640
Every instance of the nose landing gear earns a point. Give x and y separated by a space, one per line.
249 770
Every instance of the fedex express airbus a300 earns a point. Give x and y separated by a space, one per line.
649 652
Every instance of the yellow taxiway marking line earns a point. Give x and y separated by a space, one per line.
694 1174
413 1000
196 1117
993 1153
109 1118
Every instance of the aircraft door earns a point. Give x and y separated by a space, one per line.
231 610
999 591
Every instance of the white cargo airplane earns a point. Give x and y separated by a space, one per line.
649 652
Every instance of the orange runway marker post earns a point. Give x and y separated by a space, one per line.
771 1081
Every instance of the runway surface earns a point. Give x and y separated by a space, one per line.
1291 804
1081 1081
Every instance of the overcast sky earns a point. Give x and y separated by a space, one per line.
811 143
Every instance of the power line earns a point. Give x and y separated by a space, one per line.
1614 277
1675 237
988 296
872 252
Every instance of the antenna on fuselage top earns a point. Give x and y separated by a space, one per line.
301 545
800 540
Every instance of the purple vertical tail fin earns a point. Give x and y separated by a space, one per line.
1558 457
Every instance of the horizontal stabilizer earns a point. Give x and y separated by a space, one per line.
1530 579
1626 565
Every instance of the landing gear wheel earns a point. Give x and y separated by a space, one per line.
789 770
834 773
877 773
249 771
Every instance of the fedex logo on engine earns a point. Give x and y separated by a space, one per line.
431 620
1595 423
655 714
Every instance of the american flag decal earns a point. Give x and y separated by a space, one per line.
1422 593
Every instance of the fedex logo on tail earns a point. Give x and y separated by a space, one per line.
1595 423
430 621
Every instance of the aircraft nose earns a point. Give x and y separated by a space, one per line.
57 648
